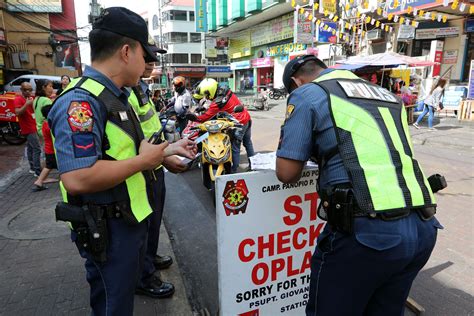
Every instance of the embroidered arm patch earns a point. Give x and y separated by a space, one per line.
80 116
84 145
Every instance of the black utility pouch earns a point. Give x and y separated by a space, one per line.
341 215
426 213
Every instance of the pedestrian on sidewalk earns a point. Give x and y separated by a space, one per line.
26 119
150 283
432 103
65 81
105 162
380 227
50 158
44 90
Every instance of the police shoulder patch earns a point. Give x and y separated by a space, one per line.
289 110
80 116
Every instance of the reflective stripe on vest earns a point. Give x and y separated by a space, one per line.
121 146
374 145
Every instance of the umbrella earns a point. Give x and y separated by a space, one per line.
386 60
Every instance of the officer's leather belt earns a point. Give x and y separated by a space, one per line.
393 215
115 210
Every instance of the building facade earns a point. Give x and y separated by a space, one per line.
38 38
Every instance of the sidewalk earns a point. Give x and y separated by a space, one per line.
41 272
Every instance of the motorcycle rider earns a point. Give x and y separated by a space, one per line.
224 100
181 101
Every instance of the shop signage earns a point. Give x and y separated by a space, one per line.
453 96
304 28
200 7
219 69
470 93
211 52
240 65
329 5
452 31
189 69
403 5
262 62
266 234
469 27
278 29
406 32
2 61
240 45
436 55
450 56
285 49
327 36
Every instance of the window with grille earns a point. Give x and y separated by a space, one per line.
196 58
195 37
179 58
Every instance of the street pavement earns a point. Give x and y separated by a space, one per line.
41 272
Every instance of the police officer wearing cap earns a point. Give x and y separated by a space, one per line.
150 284
105 163
377 202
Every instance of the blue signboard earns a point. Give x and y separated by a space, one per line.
469 26
327 36
453 96
200 9
240 65
219 69
415 4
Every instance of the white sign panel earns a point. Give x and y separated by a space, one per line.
266 234
450 56
452 31
406 32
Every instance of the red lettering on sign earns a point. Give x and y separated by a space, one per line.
260 267
243 257
293 209
283 241
299 231
269 245
313 208
314 232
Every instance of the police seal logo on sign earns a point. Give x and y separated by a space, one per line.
235 197
80 117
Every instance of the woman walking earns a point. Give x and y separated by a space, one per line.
44 90
432 103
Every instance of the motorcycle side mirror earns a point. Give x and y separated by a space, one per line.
238 109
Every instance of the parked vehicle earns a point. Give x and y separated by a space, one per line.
9 127
14 85
276 94
261 101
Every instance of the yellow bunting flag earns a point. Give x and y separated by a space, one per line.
310 17
367 20
348 7
354 28
390 17
471 9
358 14
335 18
377 24
333 32
365 5
325 27
421 12
386 28
409 10
316 5
433 16
293 3
395 3
413 23
454 5
363 33
379 11
402 19
445 18
318 22
347 26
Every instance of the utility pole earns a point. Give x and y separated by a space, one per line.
164 71
95 11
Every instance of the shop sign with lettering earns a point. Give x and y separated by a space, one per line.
190 69
200 7
240 65
219 69
403 5
262 62
285 49
452 31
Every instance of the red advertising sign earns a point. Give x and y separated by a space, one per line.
436 55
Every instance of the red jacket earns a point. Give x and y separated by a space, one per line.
243 117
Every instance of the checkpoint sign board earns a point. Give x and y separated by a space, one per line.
266 234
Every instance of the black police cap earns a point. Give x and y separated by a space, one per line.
292 67
124 22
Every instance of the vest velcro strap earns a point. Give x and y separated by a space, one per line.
148 115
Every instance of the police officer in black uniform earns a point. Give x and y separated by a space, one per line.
378 204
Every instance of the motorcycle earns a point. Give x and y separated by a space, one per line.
216 157
11 133
276 94
168 121
261 101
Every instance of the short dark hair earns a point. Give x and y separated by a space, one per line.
40 85
309 68
104 43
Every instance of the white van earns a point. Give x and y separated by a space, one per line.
14 85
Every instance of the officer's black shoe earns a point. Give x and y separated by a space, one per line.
156 289
162 262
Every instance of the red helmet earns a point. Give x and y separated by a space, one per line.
179 81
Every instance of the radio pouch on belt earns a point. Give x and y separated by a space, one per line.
340 214
90 226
